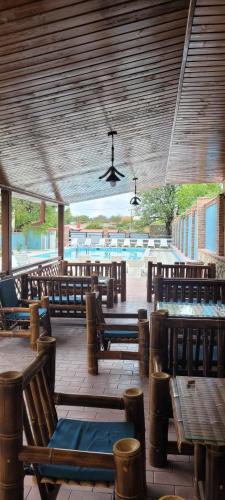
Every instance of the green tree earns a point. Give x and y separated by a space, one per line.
68 216
81 219
186 194
94 224
158 205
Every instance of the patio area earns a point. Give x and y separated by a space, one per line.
114 377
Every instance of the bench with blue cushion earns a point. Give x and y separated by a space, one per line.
66 294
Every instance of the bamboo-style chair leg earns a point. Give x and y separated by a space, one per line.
92 342
143 326
34 326
214 475
159 418
47 320
134 411
11 436
199 468
128 464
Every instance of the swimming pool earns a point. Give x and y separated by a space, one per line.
107 253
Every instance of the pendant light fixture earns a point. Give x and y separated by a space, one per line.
112 173
135 201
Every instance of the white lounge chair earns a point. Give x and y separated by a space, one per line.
139 243
101 243
87 242
114 242
74 242
126 242
164 243
151 243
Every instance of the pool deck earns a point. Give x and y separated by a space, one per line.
114 377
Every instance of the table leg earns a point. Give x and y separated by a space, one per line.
215 473
199 468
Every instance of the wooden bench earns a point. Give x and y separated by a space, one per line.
177 270
100 335
179 346
66 293
27 403
115 270
189 289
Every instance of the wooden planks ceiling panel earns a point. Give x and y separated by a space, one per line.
72 70
197 152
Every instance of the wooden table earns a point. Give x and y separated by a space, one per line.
199 416
192 310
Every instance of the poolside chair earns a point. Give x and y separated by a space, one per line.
74 242
101 243
87 242
126 242
21 318
164 243
151 243
114 242
62 450
100 335
139 243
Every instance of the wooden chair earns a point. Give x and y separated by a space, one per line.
22 318
62 450
189 290
100 335
179 346
177 270
67 294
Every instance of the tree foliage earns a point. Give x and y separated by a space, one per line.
158 205
186 194
27 214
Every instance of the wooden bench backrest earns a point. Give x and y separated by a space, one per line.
187 346
58 287
177 270
189 290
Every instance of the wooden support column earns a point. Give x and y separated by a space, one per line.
6 231
61 231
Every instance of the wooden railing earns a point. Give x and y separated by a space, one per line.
50 267
177 270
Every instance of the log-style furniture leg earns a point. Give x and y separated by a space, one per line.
128 463
159 418
214 474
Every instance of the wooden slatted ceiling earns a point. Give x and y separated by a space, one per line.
72 70
197 151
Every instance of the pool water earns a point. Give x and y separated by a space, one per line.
108 253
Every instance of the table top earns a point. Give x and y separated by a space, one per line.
187 309
199 409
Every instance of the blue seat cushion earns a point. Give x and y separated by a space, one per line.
113 334
8 295
64 299
25 316
85 436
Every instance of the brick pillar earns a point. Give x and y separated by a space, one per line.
220 228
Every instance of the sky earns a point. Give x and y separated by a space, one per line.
113 205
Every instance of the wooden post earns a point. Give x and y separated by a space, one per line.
46 319
158 286
214 474
24 286
110 293
34 326
158 342
48 344
199 467
149 281
134 411
63 267
61 231
128 464
123 281
91 333
159 418
11 436
114 275
6 231
142 314
143 326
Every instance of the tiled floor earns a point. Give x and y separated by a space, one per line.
113 378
